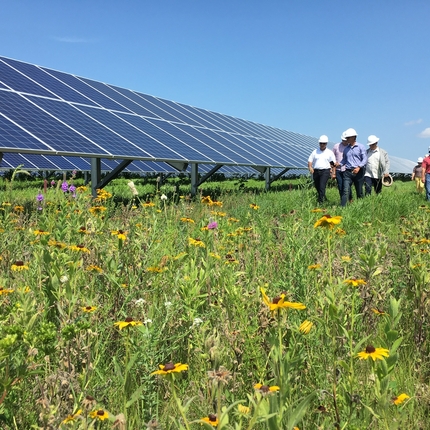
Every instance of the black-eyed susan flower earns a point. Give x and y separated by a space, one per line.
148 204
72 418
155 269
79 248
5 291
97 209
398 400
187 220
99 415
19 266
232 219
306 326
206 200
94 268
216 203
254 206
215 255
345 258
279 302
128 322
89 309
353 282
378 311
242 409
196 242
41 233
120 234
314 267
166 369
18 208
211 419
266 389
56 244
328 221
373 353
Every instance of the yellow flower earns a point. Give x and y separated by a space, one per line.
94 268
59 245
71 418
314 267
354 282
378 312
18 266
206 200
245 410
155 269
214 255
340 231
211 419
373 353
169 367
254 206
279 302
317 210
346 258
121 234
88 309
189 220
196 242
97 209
79 248
5 291
233 220
179 256
100 415
81 189
216 203
221 214
18 208
266 389
41 232
148 204
128 322
398 400
328 221
306 326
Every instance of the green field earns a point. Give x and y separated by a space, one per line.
257 310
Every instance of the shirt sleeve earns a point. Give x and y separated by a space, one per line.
363 157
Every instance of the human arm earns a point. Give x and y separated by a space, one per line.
310 167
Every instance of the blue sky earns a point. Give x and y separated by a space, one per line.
308 66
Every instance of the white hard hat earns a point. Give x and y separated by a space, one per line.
342 136
323 139
350 132
420 159
372 139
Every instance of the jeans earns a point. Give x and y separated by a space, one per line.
370 183
348 179
428 186
321 178
339 180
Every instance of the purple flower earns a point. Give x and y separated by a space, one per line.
72 188
212 225
52 183
40 197
65 186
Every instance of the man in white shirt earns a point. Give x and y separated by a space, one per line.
377 167
320 163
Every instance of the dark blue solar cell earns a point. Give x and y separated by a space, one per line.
21 83
207 151
12 160
186 119
2 86
53 133
191 112
153 129
142 141
41 162
146 101
224 149
12 136
86 90
222 122
118 97
49 82
103 137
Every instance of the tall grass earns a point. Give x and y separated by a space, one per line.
180 292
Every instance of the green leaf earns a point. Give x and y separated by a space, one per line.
135 396
295 415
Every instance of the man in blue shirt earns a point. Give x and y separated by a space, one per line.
354 162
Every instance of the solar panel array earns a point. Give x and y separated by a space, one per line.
44 111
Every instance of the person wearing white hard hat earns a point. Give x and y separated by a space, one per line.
320 163
377 167
354 162
338 149
417 174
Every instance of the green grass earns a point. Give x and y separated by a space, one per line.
203 306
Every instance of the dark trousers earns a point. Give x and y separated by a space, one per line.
321 177
339 180
348 179
370 183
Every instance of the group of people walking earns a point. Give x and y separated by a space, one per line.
350 163
421 175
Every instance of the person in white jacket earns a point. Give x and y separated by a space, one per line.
377 167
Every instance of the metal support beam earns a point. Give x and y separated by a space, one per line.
113 174
194 178
276 177
96 173
267 179
209 174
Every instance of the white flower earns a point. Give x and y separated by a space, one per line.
163 197
133 188
147 321
197 321
64 279
167 304
140 302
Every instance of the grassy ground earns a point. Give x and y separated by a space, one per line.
283 315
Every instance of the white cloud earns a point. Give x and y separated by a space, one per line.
425 133
414 121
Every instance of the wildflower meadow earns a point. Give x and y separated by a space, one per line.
145 308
